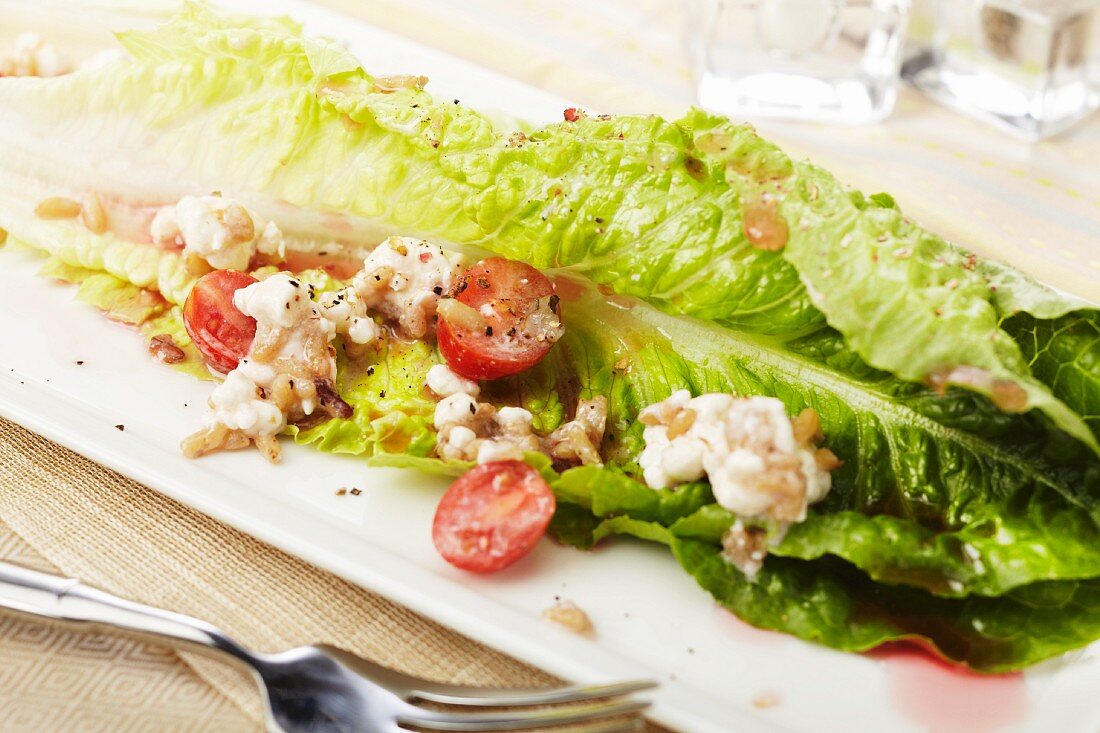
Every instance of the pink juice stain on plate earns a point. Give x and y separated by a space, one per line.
945 698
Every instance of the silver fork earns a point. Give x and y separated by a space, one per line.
322 689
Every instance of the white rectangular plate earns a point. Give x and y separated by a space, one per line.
717 674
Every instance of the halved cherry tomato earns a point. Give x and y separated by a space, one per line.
220 332
502 320
492 516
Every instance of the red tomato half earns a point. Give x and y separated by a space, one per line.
492 516
508 325
220 332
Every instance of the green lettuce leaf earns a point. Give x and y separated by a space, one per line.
648 207
912 304
829 601
392 412
962 397
940 491
832 603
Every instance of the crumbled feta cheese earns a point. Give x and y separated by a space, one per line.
363 330
468 430
498 450
746 447
515 421
236 403
289 371
444 382
32 56
271 241
402 280
280 301
217 229
461 437
348 315
418 275
457 409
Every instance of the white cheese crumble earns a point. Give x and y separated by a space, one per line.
402 280
286 319
444 382
746 447
287 376
236 403
217 229
348 315
457 409
468 430
33 56
280 301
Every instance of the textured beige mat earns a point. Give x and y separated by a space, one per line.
61 512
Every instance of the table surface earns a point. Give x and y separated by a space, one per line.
1036 206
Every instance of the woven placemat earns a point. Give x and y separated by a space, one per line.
61 512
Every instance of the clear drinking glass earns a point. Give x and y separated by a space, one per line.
1029 66
830 60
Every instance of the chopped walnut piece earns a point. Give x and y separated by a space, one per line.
826 460
570 615
214 438
681 423
579 439
268 445
196 266
164 350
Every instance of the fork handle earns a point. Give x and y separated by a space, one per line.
54 596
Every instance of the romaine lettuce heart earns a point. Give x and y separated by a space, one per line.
651 208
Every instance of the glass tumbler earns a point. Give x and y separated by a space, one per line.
827 60
1031 67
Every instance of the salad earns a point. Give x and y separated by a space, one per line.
842 426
